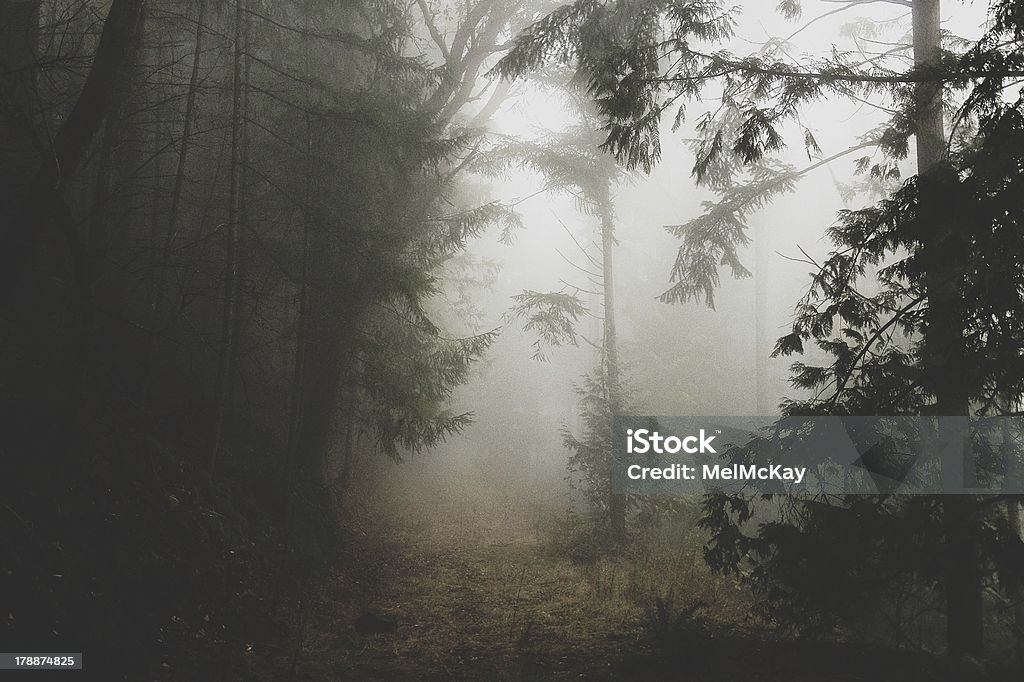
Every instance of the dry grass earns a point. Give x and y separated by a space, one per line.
483 589
478 593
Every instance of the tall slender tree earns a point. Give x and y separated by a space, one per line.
572 162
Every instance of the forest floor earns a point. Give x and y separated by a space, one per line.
479 593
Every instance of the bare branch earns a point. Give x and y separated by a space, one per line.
581 269
435 34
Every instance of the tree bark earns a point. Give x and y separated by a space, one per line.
943 342
616 501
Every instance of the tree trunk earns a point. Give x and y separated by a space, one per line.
1014 474
33 208
943 342
335 297
156 302
19 125
105 211
295 416
762 340
616 501
1013 512
233 232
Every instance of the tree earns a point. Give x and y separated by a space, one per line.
402 158
617 49
233 226
289 262
54 169
572 163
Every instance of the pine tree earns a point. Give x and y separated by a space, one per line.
616 49
572 162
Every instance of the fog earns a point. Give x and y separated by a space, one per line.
320 325
682 359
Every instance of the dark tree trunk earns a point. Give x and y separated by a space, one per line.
19 125
335 295
1013 513
335 305
1014 472
943 343
59 163
156 302
233 243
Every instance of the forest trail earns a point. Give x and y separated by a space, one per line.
479 593
474 590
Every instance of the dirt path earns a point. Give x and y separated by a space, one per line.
475 593
479 595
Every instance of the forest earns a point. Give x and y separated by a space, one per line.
318 321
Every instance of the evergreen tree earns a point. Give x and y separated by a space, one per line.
221 213
572 162
639 59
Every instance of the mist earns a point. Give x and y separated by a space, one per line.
321 324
